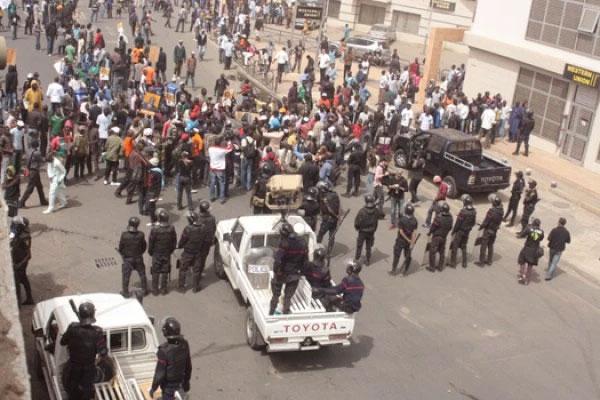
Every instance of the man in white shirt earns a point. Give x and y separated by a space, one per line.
103 121
228 49
216 155
282 59
463 112
323 64
406 118
488 119
425 121
383 85
55 94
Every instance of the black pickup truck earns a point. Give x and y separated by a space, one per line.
456 157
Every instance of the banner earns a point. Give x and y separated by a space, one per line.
311 13
150 103
104 73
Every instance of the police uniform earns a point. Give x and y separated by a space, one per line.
330 209
530 253
173 368
84 342
351 288
465 220
209 224
260 194
20 251
441 226
317 274
489 226
515 197
190 241
289 261
529 202
311 212
161 244
407 224
132 246
366 224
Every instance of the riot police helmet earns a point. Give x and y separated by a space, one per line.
132 224
171 328
192 217
353 267
519 174
204 206
162 215
370 201
536 223
323 186
409 209
267 170
445 208
496 200
532 183
467 200
319 253
286 229
312 193
87 313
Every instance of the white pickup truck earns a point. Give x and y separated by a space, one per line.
130 339
244 255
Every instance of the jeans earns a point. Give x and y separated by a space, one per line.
554 258
11 100
246 173
370 180
184 184
217 177
396 209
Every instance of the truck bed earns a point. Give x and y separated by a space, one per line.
302 301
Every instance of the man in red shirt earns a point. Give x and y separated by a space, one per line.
440 196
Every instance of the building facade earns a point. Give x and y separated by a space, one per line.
545 53
409 17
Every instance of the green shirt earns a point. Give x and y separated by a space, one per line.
56 124
70 51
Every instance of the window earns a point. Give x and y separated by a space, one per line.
406 22
257 241
118 340
334 8
371 15
588 21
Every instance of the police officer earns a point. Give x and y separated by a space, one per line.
355 162
174 364
20 251
161 244
407 229
515 196
465 221
490 226
190 241
365 223
441 226
290 259
532 251
310 206
132 246
329 202
351 288
84 341
529 202
316 271
259 197
209 226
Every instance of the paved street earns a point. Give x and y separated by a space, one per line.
456 334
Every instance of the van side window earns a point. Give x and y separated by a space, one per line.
236 236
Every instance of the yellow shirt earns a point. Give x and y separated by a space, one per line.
33 97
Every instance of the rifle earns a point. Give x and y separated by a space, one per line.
332 237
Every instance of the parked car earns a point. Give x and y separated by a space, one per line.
456 157
382 32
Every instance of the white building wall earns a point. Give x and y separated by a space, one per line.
489 72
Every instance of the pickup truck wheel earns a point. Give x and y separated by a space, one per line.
452 189
253 335
218 264
400 158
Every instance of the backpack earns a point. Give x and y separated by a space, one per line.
249 150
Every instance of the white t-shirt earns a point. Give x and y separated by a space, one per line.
55 92
217 155
406 116
426 121
488 118
103 122
463 110
323 60
282 57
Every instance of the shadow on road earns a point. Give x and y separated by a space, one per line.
325 358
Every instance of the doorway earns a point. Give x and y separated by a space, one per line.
580 122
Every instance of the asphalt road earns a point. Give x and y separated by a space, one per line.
467 333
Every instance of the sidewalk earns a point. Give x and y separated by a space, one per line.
573 183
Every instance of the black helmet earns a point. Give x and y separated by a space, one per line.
286 229
323 186
162 215
353 267
519 174
532 183
370 201
86 313
204 206
132 224
192 217
171 328
536 222
444 207
312 193
319 253
496 200
467 200
266 170
409 209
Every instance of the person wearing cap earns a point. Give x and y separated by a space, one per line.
56 174
18 138
442 192
112 149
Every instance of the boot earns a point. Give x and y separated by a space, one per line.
406 267
181 284
196 282
164 283
155 284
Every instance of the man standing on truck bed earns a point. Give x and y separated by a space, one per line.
174 364
84 341
290 259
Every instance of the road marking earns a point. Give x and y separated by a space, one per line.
403 312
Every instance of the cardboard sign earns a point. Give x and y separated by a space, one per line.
104 74
150 103
153 54
11 56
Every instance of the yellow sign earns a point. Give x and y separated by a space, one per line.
150 103
581 76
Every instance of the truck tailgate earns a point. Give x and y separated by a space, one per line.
492 174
